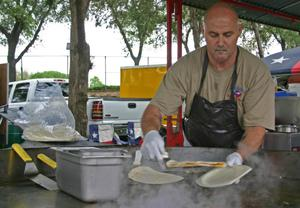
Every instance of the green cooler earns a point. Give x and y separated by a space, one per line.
14 134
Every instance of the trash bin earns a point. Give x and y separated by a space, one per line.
14 134
2 141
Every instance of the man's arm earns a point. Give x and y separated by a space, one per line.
153 146
151 119
253 139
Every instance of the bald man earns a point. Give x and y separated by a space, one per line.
228 92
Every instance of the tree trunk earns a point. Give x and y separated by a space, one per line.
196 28
136 61
12 68
283 44
79 65
280 40
186 46
185 40
258 40
13 38
12 45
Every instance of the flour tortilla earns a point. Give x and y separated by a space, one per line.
54 133
147 175
219 177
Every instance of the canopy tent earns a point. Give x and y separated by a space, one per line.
278 13
284 62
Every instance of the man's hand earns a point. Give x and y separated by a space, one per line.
153 146
234 159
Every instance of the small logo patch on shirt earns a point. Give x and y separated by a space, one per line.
237 92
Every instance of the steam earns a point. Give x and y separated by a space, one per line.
181 195
246 149
254 190
259 188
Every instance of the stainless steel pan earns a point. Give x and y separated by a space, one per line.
286 128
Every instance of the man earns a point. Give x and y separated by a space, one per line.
229 93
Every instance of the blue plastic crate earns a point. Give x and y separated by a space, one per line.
285 93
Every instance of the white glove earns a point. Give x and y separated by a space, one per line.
153 146
234 159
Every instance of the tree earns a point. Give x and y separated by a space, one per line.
192 24
96 83
79 65
22 21
256 38
286 38
48 74
140 22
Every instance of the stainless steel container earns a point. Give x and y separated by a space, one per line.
286 128
90 174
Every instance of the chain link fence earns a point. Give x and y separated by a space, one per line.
107 68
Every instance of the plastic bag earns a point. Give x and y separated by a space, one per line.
47 118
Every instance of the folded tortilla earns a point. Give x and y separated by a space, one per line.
189 164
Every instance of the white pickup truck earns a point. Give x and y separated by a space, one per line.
115 112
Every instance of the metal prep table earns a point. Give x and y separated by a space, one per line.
273 182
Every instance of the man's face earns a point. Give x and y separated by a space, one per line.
221 34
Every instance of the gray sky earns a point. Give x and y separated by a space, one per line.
50 53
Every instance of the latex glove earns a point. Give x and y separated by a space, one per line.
153 146
234 159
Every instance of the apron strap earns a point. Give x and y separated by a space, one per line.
234 75
204 70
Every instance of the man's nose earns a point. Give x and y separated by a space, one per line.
220 41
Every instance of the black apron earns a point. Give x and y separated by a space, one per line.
213 124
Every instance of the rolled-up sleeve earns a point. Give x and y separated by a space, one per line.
259 102
172 89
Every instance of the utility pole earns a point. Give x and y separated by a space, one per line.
22 77
105 73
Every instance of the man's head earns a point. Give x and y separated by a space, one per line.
221 31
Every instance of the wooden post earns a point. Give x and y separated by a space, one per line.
3 101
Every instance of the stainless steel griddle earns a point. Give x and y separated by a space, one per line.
274 182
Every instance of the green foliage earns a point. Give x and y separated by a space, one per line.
27 15
286 38
106 88
48 74
95 83
248 40
112 87
191 25
269 35
22 21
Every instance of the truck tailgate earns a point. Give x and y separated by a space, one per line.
123 110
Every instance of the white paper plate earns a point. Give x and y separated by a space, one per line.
219 177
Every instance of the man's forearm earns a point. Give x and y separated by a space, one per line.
253 139
151 119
